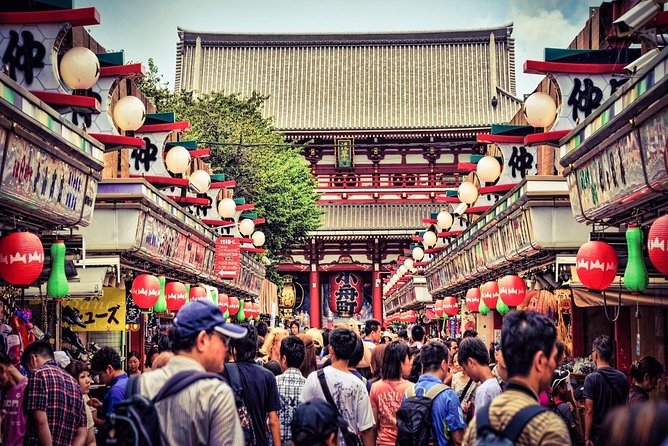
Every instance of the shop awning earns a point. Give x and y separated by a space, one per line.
88 283
652 297
413 292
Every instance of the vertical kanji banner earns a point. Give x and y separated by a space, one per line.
228 257
104 314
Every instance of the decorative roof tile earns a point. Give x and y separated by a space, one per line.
350 216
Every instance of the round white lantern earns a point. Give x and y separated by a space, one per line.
488 169
79 68
200 181
129 113
540 110
246 226
418 253
258 238
178 159
444 220
403 269
408 263
467 192
429 238
226 208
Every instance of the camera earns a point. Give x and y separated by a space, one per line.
636 18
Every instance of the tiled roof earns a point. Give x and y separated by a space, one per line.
428 80
341 217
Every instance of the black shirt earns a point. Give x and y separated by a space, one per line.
606 394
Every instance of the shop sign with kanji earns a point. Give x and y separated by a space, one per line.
101 314
228 257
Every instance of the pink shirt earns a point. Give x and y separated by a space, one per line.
386 397
13 419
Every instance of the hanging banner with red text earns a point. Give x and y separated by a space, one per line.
228 257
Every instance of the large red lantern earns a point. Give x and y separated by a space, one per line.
473 299
21 258
346 293
222 302
450 306
657 244
512 290
175 293
197 293
256 310
596 265
490 293
438 308
233 305
145 291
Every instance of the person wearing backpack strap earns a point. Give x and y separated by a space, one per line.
431 411
515 417
203 413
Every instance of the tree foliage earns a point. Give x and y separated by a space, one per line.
269 173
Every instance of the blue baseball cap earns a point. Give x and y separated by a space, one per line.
199 315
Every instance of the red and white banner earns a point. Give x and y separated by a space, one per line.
228 257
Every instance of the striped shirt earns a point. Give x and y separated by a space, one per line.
545 429
204 413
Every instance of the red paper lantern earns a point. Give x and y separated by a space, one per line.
256 310
411 316
346 291
175 293
233 305
21 258
473 299
222 302
657 244
145 291
596 265
490 293
512 290
450 306
197 293
438 308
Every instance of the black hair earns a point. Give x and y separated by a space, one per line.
470 334
416 367
605 347
274 367
134 354
525 333
294 323
648 365
4 359
473 348
76 368
370 326
432 356
43 349
262 329
449 341
358 353
395 354
245 349
104 357
417 333
403 333
178 343
293 349
164 344
492 349
325 337
343 342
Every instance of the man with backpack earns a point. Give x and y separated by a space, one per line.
431 410
515 417
204 412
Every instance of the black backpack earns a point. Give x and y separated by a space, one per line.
232 370
414 416
135 421
486 435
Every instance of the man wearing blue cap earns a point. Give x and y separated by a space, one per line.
205 412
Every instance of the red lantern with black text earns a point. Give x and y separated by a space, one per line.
21 258
346 291
512 290
175 293
197 293
438 308
657 244
473 299
145 291
490 293
222 302
450 306
233 305
596 265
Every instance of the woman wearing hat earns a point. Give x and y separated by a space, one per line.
559 397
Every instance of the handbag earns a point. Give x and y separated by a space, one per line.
349 438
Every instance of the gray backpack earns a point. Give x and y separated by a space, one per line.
486 435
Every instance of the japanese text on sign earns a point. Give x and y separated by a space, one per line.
102 314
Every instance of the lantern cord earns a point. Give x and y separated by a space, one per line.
619 306
644 165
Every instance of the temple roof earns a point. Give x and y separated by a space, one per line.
376 217
371 81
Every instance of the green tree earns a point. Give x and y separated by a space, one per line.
269 173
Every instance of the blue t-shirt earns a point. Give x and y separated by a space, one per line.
446 410
115 394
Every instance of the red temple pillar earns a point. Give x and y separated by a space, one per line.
377 294
315 305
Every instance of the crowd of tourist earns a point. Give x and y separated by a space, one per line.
348 386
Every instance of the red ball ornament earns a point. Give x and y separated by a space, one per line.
450 306
490 293
657 244
473 299
197 293
21 258
233 305
596 265
512 290
145 291
222 302
438 308
175 293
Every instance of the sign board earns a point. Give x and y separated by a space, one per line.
228 257
104 314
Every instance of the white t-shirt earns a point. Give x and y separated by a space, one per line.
349 394
486 392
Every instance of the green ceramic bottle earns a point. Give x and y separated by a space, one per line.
635 274
57 286
161 305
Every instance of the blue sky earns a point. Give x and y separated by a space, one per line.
147 28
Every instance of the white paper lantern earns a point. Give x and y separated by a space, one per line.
226 208
429 239
246 226
79 68
199 181
488 169
540 110
258 238
408 263
467 192
444 220
178 159
129 113
403 269
418 253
